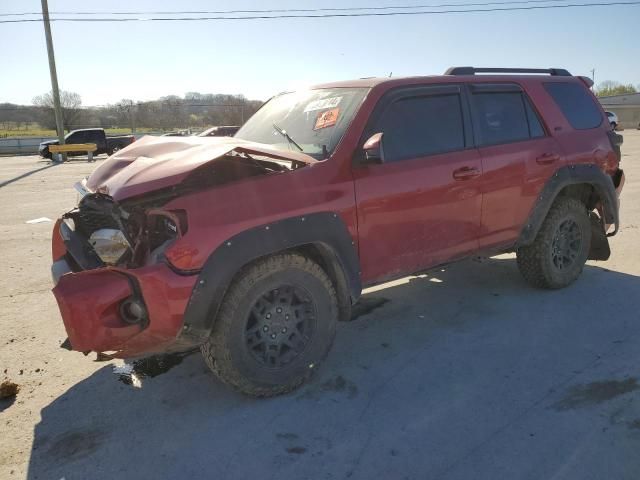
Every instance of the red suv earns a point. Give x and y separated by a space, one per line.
252 247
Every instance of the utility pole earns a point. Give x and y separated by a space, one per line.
54 76
593 77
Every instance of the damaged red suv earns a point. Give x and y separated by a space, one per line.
253 247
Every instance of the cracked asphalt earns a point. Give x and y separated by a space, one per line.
465 372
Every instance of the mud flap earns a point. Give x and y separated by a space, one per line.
599 242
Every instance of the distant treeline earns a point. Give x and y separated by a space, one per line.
194 110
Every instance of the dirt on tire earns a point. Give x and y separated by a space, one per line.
535 260
224 353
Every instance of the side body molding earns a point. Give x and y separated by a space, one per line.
572 175
325 230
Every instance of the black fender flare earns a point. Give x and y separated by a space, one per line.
565 176
325 230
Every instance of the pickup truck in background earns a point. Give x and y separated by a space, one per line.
106 144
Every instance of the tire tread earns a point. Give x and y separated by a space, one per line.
216 352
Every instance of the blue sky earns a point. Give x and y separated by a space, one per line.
105 62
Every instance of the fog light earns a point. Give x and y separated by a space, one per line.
133 311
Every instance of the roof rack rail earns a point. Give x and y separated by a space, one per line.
560 72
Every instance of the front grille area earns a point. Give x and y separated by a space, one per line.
95 211
88 221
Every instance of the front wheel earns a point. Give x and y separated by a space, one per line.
557 256
274 327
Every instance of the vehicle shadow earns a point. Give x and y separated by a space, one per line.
424 359
28 174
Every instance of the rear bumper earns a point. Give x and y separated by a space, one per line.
90 304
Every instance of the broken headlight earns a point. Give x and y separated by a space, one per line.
109 244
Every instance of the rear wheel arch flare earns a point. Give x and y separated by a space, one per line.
573 181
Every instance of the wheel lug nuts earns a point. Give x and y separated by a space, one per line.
268 315
273 335
265 329
284 330
286 317
279 310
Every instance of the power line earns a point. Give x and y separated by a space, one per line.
330 15
284 10
150 103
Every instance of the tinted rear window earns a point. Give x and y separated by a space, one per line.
576 104
419 126
500 117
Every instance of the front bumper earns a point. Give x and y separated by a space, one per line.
90 304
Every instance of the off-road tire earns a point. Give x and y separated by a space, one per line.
226 352
535 261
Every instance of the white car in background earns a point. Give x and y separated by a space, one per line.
613 119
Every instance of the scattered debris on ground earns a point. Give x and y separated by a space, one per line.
8 389
132 373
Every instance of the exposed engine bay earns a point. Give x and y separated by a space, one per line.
136 231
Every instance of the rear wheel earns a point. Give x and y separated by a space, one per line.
113 150
558 254
275 325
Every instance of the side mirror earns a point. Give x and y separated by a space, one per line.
372 148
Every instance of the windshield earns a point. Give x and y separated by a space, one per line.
311 121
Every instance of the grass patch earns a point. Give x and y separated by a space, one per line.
43 132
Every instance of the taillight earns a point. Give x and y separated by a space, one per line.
616 141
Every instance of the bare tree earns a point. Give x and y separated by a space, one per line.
126 113
71 112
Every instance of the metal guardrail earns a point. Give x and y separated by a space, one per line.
21 146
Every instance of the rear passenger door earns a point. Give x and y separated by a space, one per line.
421 206
518 156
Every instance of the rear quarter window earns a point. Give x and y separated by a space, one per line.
576 104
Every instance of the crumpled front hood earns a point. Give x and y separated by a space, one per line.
153 163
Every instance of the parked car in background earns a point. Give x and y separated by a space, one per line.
179 133
253 247
222 131
613 119
108 144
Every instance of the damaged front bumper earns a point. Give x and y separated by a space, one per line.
118 311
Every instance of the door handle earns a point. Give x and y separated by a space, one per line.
466 173
547 158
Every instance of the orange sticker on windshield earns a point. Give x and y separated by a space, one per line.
327 118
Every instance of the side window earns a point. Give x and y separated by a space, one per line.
576 104
500 117
77 137
535 126
419 126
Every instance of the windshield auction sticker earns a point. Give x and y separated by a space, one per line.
327 119
323 104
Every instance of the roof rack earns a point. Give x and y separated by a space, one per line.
560 72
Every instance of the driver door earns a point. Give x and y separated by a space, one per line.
420 206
